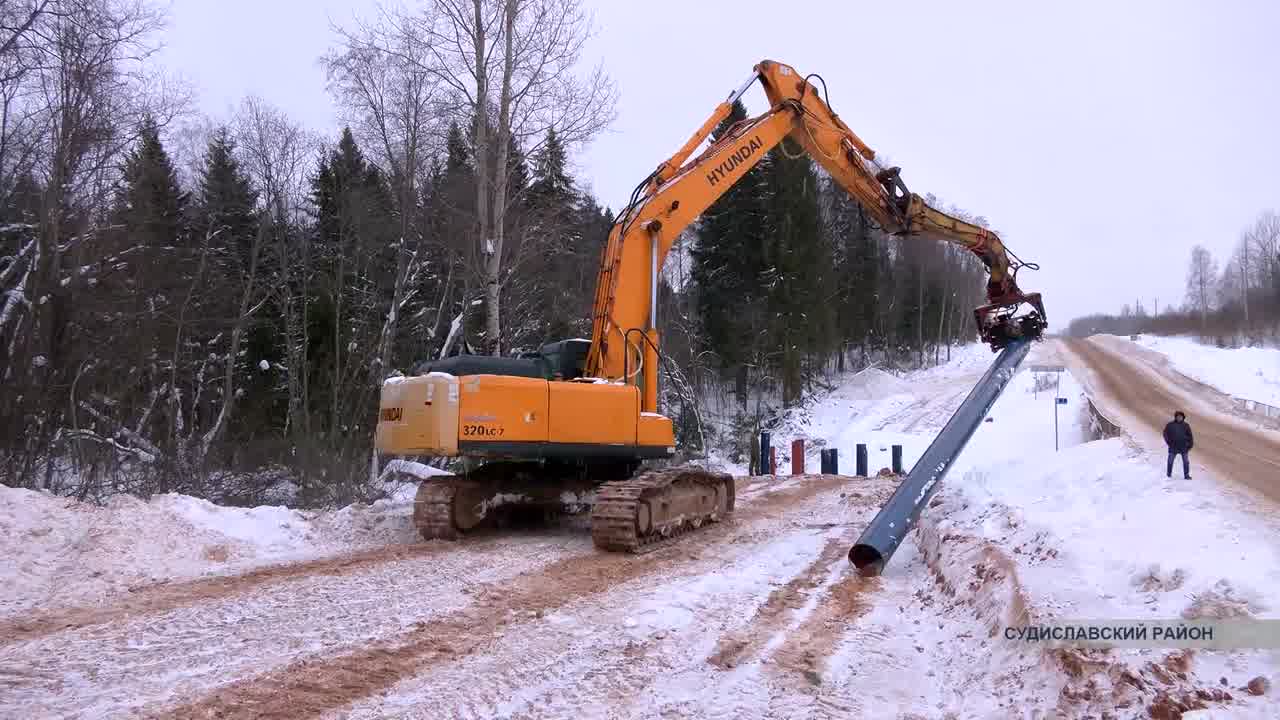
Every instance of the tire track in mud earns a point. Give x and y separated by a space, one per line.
318 684
167 596
807 648
749 641
164 597
828 586
153 659
604 651
599 655
799 626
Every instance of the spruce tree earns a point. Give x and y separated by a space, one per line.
22 204
801 319
543 295
150 202
354 266
729 265
552 188
517 173
457 205
856 273
226 213
227 200
145 300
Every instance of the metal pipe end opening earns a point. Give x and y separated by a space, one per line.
867 559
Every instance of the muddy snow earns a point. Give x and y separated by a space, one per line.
178 608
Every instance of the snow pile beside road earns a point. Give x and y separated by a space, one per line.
879 410
1024 534
265 530
73 552
1128 536
1250 373
1097 532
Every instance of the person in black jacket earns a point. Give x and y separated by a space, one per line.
1177 435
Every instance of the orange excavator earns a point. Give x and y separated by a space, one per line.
574 424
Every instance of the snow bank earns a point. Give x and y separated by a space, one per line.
268 530
1128 535
73 552
1095 531
1022 533
1250 373
880 410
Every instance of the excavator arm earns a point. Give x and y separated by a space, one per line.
624 339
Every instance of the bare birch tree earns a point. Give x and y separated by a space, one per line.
380 80
1264 239
276 150
1202 275
512 69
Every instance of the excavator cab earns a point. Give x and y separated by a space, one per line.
563 360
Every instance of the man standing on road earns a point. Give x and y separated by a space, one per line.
1177 435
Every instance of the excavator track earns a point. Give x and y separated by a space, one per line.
433 508
653 509
451 507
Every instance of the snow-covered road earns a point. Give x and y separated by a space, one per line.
761 613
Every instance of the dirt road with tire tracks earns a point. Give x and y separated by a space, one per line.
750 618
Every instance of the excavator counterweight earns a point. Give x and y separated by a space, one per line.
574 423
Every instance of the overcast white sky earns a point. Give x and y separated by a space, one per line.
1101 139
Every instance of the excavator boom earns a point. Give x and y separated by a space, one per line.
624 340
572 423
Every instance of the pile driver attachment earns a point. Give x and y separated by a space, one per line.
999 322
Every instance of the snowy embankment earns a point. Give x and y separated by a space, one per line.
1025 534
74 552
880 410
1249 373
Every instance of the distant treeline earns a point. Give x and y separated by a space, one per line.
1237 302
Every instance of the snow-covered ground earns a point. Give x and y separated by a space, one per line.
74 552
881 410
761 617
1249 373
1093 530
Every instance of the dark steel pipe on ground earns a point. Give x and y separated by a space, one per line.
764 468
899 515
